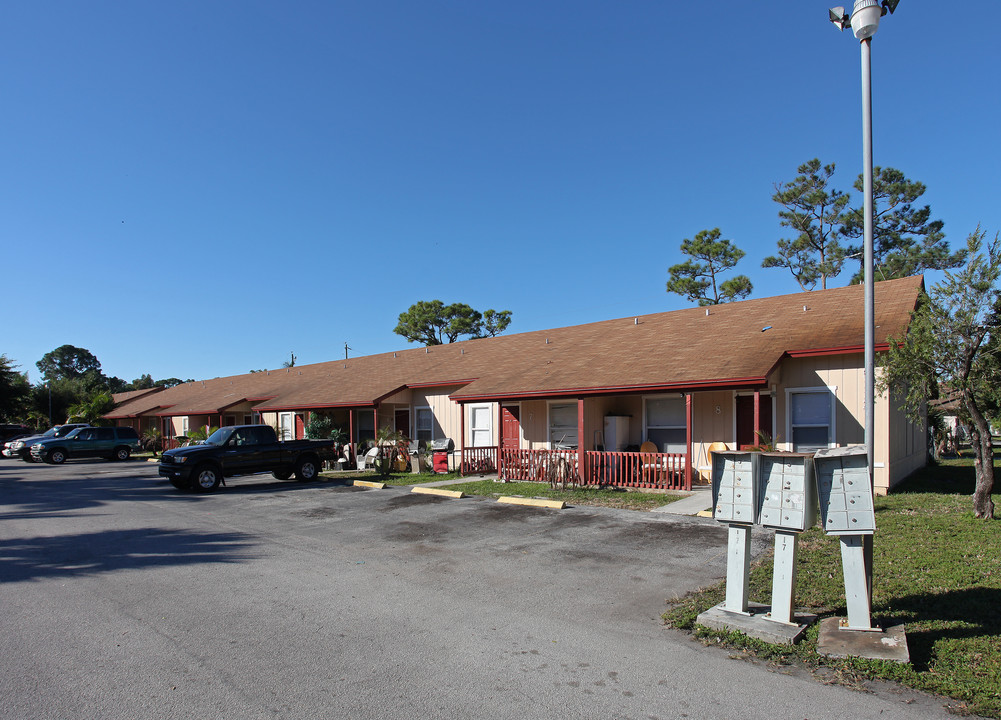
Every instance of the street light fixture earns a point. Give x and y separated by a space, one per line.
864 22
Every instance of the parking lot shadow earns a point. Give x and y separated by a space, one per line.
34 558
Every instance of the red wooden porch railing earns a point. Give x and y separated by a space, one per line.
521 464
478 460
661 471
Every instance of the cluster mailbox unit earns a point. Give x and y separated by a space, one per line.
775 490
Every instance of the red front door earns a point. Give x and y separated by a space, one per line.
510 427
745 420
402 419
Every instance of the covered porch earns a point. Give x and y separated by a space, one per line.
658 441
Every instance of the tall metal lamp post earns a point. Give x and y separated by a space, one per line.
864 21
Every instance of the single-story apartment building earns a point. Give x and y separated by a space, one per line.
637 402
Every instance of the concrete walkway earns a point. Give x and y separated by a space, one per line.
700 499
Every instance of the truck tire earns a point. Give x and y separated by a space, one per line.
56 457
205 478
281 474
121 453
307 468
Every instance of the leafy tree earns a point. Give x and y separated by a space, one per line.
816 212
67 362
143 382
92 410
905 240
170 382
15 391
494 322
434 323
954 340
698 279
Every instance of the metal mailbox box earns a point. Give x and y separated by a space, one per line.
787 497
845 491
735 487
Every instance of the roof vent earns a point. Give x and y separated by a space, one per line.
636 321
547 341
394 354
707 312
805 308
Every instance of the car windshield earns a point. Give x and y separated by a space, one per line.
219 437
64 431
72 433
51 432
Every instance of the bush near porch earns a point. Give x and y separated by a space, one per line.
937 571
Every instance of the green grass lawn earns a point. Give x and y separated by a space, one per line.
937 570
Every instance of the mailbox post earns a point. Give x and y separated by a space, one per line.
788 504
847 511
735 491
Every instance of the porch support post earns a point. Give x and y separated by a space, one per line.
462 438
757 416
581 454
688 441
500 436
352 449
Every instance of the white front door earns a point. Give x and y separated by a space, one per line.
286 426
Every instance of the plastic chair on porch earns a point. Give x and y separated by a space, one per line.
654 469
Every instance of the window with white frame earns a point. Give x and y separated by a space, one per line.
666 428
184 426
425 424
811 419
480 425
563 425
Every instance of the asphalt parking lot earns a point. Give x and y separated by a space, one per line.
124 598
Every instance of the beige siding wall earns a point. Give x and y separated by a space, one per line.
712 421
908 443
446 413
899 449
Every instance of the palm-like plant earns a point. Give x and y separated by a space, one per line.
201 434
393 446
93 409
152 439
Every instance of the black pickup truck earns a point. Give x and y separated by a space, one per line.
242 450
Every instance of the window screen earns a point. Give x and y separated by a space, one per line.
811 420
563 425
665 424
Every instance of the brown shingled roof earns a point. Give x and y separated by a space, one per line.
728 347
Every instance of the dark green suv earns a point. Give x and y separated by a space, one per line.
113 443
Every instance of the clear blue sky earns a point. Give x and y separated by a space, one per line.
195 189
